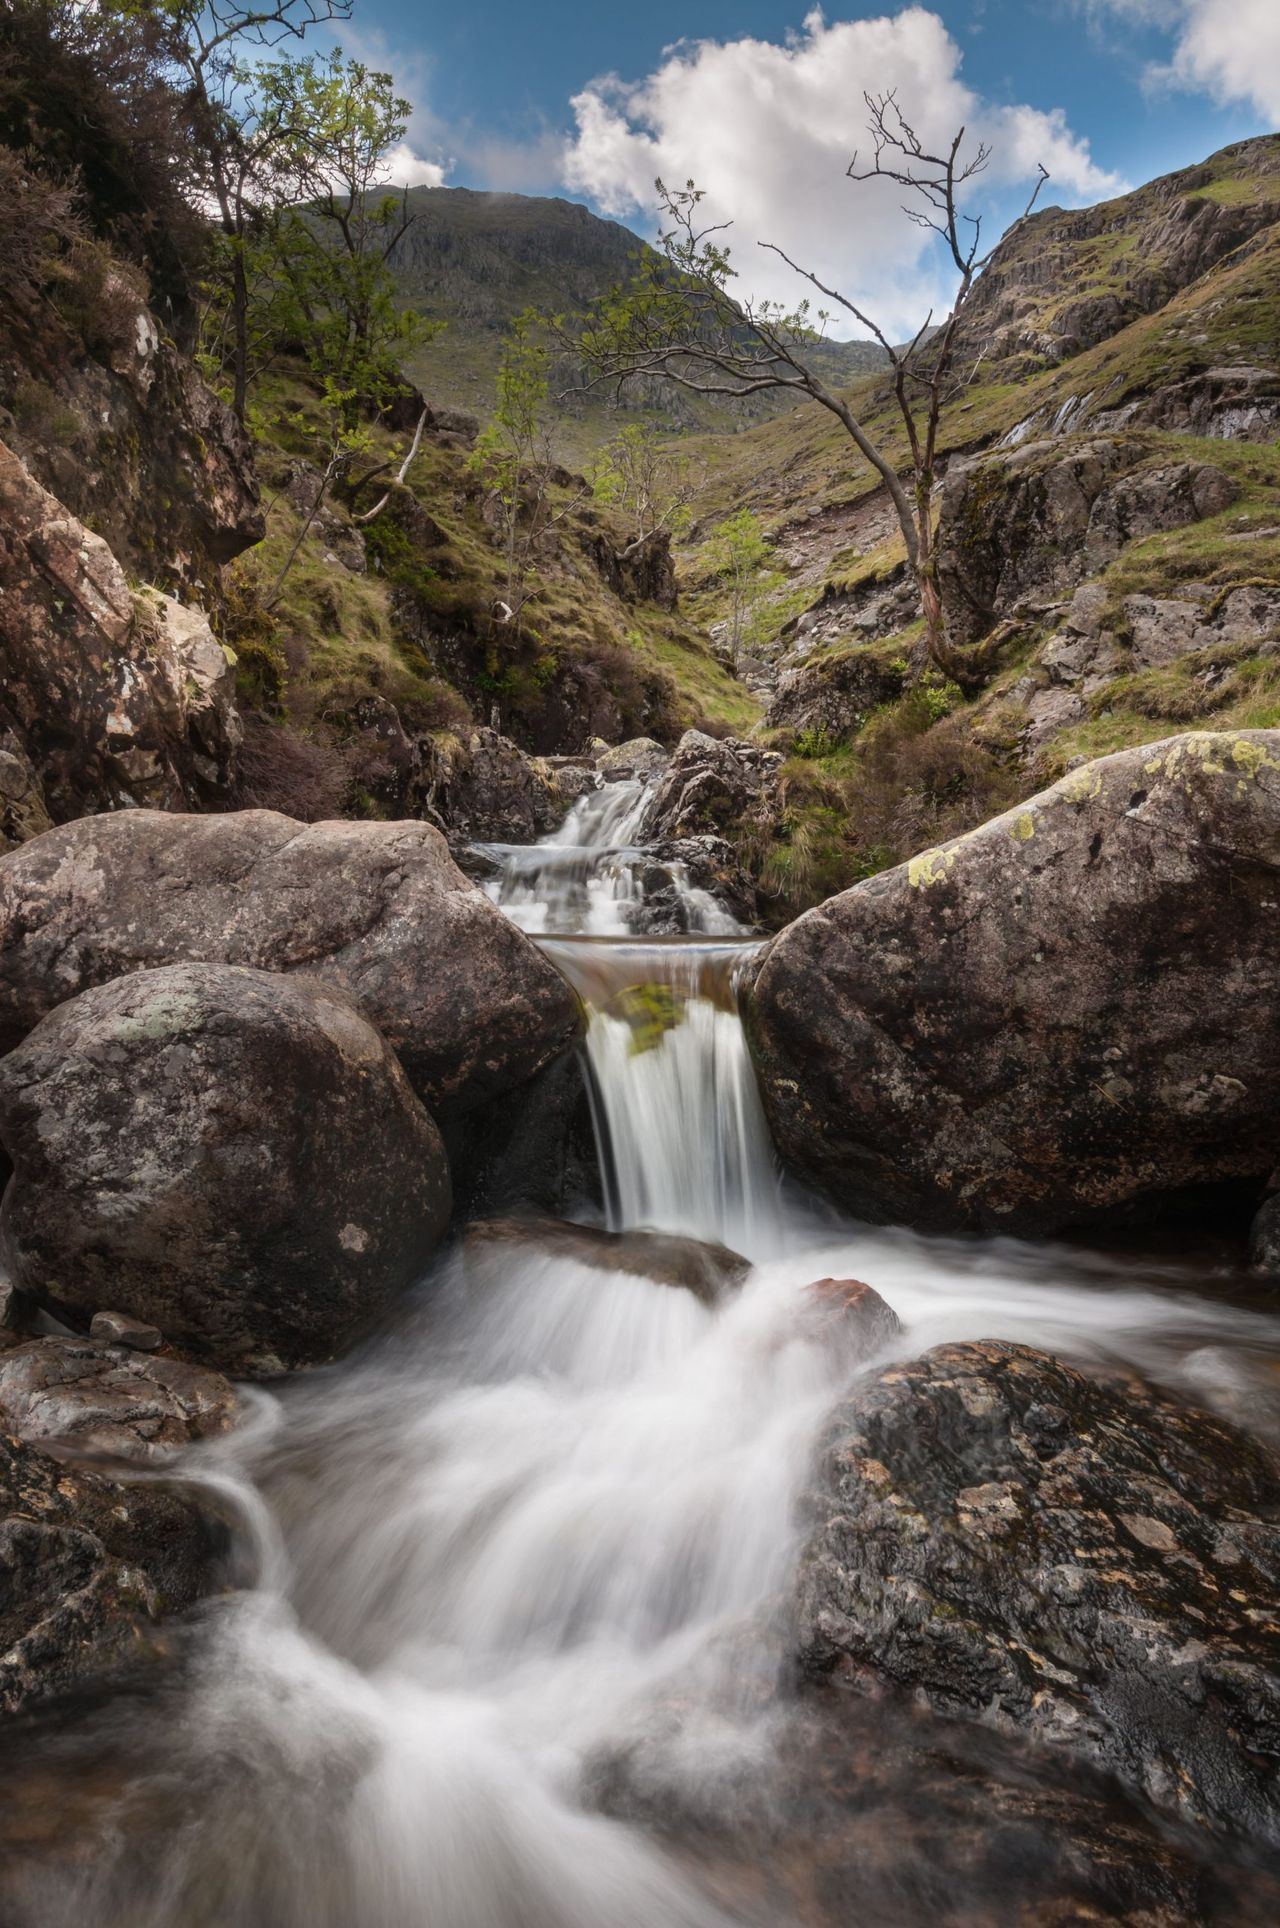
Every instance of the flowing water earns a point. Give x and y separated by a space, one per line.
513 1654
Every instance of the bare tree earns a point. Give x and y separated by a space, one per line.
679 319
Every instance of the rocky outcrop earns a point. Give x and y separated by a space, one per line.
231 1155
483 788
377 911
107 700
85 1566
103 1399
134 443
1065 279
709 786
1090 1564
1035 522
640 572
834 691
707 1270
1067 1014
640 759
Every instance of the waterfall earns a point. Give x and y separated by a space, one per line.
514 1656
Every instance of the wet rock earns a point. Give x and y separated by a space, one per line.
117 1329
141 691
1091 1565
231 1155
85 1566
102 1398
641 759
1066 1014
378 911
709 786
533 1150
483 788
850 1308
708 1270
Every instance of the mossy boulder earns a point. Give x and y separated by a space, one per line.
1069 1014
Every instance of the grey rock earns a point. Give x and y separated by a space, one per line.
106 1399
231 1155
117 1329
378 911
1090 1565
708 1270
1066 1014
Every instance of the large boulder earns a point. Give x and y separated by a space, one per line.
1072 1011
85 1566
233 1156
109 699
379 911
1090 1564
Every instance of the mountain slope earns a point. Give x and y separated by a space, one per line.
476 260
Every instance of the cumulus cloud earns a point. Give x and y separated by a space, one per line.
768 129
405 168
1228 49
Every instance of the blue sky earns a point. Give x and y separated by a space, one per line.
761 103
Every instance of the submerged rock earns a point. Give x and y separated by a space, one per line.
708 1270
1069 1012
1090 1564
231 1155
379 911
85 1565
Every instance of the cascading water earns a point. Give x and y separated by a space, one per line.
521 1558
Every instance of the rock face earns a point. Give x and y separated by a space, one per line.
378 911
1036 521
106 700
233 1156
1093 1565
107 1399
1073 1010
484 789
834 691
84 1565
708 785
132 440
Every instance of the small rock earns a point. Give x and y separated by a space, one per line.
851 1308
118 1329
706 1269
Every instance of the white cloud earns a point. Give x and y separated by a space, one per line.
768 131
1228 49
405 168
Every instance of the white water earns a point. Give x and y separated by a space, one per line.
547 1520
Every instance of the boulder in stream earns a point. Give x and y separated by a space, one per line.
234 1156
85 1566
90 1397
1091 1565
708 1270
379 911
1069 1014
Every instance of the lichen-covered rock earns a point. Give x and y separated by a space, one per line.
1071 1011
1036 520
483 788
109 700
108 1399
1091 1564
84 1567
232 1155
379 911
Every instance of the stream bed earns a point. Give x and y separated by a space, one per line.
512 1645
